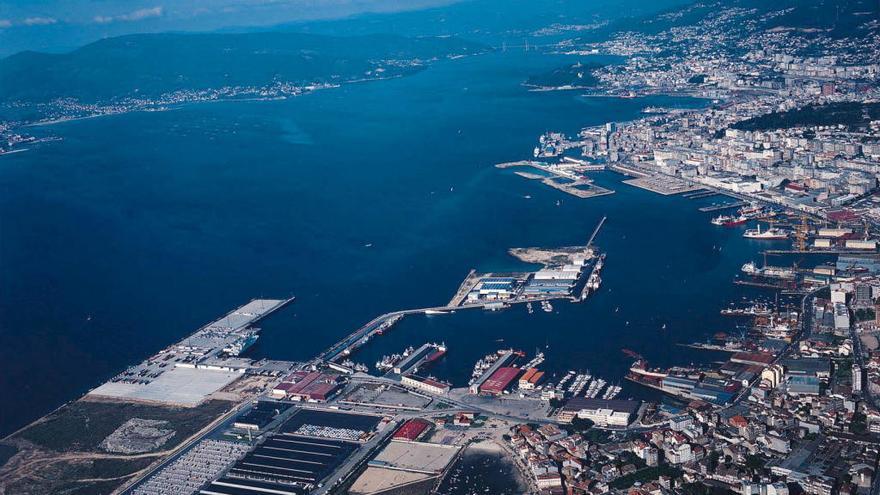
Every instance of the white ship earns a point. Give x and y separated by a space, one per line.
772 233
768 271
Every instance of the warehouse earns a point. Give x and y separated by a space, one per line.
429 385
555 275
293 459
412 430
499 381
678 384
756 358
308 386
600 411
804 385
807 366
260 415
530 379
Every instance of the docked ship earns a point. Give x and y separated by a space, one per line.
755 210
754 310
242 343
770 234
385 325
640 367
728 221
768 271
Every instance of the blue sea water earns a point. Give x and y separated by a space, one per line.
134 230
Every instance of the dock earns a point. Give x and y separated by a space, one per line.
725 206
566 176
466 286
701 195
664 185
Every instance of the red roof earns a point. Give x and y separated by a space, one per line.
499 380
842 215
738 421
752 357
411 429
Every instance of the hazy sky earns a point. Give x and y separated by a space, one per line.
59 25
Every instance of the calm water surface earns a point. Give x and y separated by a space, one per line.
134 230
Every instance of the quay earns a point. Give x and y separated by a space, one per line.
566 176
818 251
711 347
664 185
699 193
726 206
363 334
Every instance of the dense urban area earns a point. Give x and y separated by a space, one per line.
787 141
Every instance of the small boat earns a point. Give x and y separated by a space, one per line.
530 308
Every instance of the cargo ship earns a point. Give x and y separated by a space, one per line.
770 234
768 271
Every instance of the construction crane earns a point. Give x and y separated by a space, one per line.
801 232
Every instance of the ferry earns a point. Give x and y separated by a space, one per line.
770 234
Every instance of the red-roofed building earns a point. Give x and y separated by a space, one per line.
842 216
755 358
738 421
500 380
412 430
314 386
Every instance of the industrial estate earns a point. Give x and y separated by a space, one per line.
787 147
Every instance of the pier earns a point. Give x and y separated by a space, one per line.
726 206
363 334
566 176
664 185
698 194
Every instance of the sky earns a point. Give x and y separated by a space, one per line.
63 25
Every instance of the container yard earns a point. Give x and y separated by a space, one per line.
186 373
